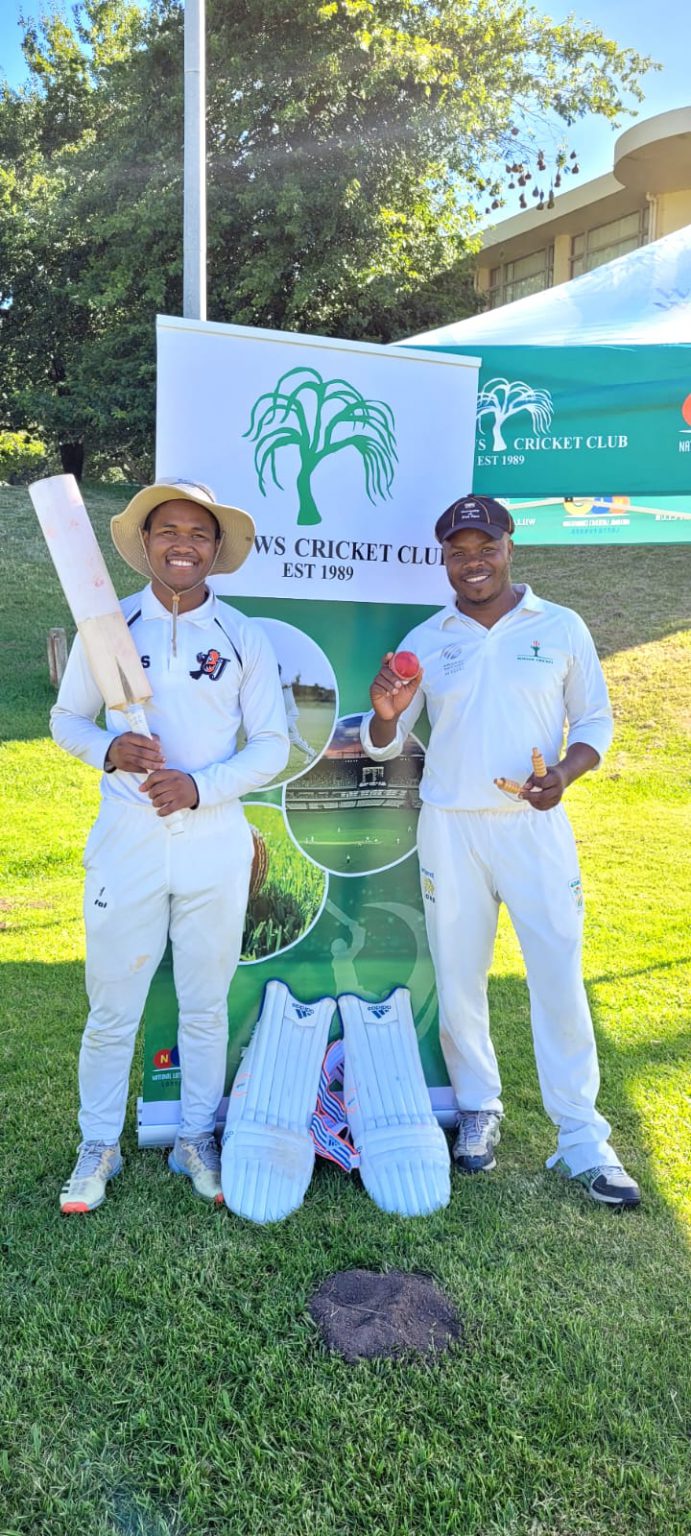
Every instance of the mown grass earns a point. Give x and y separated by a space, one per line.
160 1373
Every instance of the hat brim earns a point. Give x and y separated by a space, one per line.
237 528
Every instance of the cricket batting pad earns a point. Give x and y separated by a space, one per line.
267 1156
404 1159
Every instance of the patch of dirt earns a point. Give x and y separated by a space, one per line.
364 1316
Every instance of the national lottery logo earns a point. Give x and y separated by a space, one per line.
167 1059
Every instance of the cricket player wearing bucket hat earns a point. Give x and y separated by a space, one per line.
170 854
501 672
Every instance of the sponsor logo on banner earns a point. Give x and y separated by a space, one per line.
166 1064
502 407
685 433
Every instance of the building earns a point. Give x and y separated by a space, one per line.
646 196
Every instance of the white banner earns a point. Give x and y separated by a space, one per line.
344 453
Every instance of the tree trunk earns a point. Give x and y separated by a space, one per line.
72 458
308 511
498 444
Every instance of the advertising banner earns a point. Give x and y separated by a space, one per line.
571 423
344 454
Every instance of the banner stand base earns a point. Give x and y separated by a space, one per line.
158 1122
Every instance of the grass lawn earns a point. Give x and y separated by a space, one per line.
160 1374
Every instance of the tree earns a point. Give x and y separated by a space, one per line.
500 399
320 419
348 147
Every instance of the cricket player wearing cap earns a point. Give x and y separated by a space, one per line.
170 853
501 672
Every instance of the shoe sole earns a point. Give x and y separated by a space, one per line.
486 1168
615 1203
208 1200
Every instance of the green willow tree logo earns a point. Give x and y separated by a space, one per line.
320 418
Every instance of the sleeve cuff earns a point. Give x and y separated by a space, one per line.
379 754
599 740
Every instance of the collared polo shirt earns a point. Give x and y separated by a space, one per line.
494 694
223 675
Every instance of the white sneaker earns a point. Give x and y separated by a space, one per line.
86 1188
199 1159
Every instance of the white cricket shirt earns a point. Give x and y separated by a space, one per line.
224 676
494 694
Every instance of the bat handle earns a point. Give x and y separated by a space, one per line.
137 721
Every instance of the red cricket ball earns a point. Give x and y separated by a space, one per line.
406 665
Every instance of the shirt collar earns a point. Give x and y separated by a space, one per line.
153 609
528 601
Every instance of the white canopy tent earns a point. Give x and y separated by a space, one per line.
643 297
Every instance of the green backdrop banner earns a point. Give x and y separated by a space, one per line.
577 421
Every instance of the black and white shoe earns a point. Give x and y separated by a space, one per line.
611 1186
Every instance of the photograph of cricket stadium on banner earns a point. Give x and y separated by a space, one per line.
353 816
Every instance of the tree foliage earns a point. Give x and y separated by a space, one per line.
347 143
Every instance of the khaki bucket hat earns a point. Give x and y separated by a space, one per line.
237 527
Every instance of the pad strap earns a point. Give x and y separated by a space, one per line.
329 1128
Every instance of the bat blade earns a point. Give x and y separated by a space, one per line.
86 583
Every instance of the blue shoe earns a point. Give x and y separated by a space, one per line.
611 1186
478 1135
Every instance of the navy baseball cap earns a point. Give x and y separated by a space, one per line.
481 512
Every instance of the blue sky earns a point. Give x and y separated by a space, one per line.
660 29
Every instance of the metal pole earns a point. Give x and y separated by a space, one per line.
194 168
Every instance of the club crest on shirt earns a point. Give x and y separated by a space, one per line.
452 660
211 664
535 654
576 889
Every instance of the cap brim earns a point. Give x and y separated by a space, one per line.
237 528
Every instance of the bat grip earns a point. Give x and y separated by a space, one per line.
137 721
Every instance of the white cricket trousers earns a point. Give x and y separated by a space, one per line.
144 882
471 861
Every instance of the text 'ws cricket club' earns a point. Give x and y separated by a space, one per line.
514 420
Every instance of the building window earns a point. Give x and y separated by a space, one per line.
515 279
594 247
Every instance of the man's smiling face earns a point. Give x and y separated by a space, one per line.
477 565
181 543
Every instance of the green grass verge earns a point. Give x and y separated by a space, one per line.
160 1374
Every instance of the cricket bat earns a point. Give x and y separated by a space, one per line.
86 583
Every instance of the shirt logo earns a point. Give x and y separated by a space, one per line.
452 660
534 654
576 889
211 664
428 886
